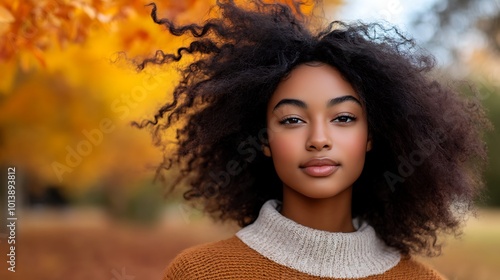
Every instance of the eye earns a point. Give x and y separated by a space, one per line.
345 119
291 120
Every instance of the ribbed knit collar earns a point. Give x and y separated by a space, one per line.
316 252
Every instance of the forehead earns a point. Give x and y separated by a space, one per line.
312 83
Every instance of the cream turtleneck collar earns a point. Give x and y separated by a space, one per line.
316 252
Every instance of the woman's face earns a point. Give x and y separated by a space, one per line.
318 132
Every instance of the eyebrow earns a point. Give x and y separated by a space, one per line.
302 104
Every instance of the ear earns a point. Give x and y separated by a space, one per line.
369 144
266 150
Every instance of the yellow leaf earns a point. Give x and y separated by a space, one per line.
6 19
6 16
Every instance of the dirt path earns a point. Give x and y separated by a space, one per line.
83 244
88 245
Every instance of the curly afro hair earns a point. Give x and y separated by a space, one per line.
424 172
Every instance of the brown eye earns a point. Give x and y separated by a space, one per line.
345 119
291 121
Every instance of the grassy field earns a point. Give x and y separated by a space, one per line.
476 254
87 244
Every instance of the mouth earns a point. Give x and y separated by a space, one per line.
320 167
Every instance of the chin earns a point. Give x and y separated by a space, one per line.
322 193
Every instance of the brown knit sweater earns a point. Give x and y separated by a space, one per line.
231 259
274 247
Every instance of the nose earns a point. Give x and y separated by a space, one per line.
319 138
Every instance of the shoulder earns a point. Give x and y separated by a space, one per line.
411 268
207 261
230 258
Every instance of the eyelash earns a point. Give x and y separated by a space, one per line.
351 117
286 121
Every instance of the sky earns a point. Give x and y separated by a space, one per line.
393 11
401 13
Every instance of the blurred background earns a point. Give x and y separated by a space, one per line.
87 202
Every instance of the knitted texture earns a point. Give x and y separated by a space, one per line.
274 247
317 252
231 259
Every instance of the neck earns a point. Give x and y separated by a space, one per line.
331 214
317 252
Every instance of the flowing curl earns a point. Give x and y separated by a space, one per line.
424 172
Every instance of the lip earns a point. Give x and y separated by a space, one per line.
320 167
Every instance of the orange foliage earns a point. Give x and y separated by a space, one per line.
68 96
33 27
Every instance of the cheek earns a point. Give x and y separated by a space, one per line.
283 146
353 144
